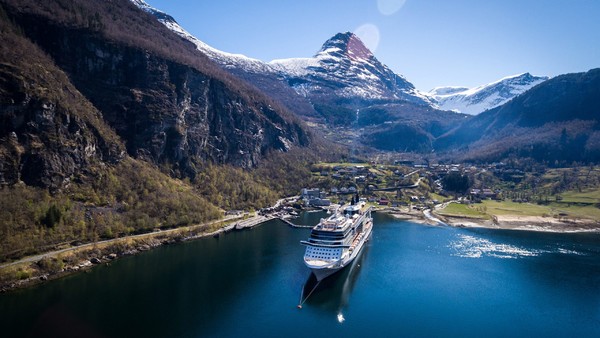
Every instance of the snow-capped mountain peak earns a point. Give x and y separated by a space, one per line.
345 45
476 100
343 67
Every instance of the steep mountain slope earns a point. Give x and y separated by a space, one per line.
253 71
476 100
167 101
49 132
331 88
557 120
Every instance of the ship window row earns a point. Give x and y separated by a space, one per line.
325 241
321 253
324 249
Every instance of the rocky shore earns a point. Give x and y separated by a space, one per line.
52 265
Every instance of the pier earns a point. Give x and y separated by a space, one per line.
292 224
252 222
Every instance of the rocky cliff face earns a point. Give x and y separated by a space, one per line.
164 110
169 112
49 133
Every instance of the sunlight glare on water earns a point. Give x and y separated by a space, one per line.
410 281
473 247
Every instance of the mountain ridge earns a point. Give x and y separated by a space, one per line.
328 89
297 71
557 120
475 100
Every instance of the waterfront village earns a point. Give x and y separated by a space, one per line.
492 195
498 195
397 187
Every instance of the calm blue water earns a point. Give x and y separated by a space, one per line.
412 280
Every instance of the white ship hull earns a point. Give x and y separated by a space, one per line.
337 241
324 272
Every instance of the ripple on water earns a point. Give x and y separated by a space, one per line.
476 247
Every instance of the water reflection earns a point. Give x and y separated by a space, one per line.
332 295
410 280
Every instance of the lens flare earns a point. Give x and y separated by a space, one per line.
389 7
369 35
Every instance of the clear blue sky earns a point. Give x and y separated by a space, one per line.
431 42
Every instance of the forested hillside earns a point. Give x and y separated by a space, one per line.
112 125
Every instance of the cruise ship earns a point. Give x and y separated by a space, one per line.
338 239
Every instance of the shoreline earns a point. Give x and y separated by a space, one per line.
504 222
37 269
526 223
84 257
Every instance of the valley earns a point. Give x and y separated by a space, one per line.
117 122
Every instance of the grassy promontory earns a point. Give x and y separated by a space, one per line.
555 217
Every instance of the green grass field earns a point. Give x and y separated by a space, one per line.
577 211
497 208
489 208
590 196
462 210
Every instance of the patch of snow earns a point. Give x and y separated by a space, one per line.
343 61
476 100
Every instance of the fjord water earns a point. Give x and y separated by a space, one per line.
412 280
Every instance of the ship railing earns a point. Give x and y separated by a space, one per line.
307 243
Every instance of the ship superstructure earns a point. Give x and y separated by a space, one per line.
337 240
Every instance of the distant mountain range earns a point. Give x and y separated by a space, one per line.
343 69
344 85
473 101
557 121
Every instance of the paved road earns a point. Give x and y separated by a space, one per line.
108 241
412 186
